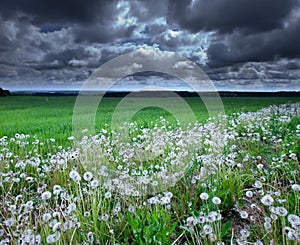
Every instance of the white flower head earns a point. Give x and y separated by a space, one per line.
46 195
207 229
87 176
244 214
249 194
267 200
74 175
296 187
204 196
216 200
52 238
107 195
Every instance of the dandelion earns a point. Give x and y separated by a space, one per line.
267 200
273 216
56 227
131 209
90 236
292 218
56 189
52 238
216 200
258 242
169 194
245 233
249 194
268 226
107 195
165 200
292 236
281 211
46 217
244 214
71 138
207 229
104 217
296 187
257 184
87 176
46 195
191 221
74 175
204 196
71 208
94 183
9 222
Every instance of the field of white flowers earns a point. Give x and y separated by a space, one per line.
232 183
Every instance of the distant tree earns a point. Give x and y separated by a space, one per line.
4 92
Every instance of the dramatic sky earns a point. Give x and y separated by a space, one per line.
240 44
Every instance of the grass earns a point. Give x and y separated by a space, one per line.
51 117
204 184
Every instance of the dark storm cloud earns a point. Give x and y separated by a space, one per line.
257 30
146 10
228 15
57 11
275 44
61 42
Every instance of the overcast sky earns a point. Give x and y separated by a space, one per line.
240 44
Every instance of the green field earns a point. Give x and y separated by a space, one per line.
209 183
51 117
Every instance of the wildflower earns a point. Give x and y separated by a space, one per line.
169 194
104 217
216 200
71 138
191 221
249 194
204 196
292 218
87 176
244 233
211 217
56 189
292 236
281 211
94 183
74 175
244 214
165 200
257 184
52 238
131 209
207 229
267 200
258 242
46 195
9 222
56 227
107 195
296 187
268 226
90 236
71 207
46 217
273 216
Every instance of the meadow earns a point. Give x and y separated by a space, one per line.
51 117
205 184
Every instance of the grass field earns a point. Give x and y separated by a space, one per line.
51 117
205 184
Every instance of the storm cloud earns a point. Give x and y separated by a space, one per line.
237 42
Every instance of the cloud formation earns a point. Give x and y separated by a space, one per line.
237 42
